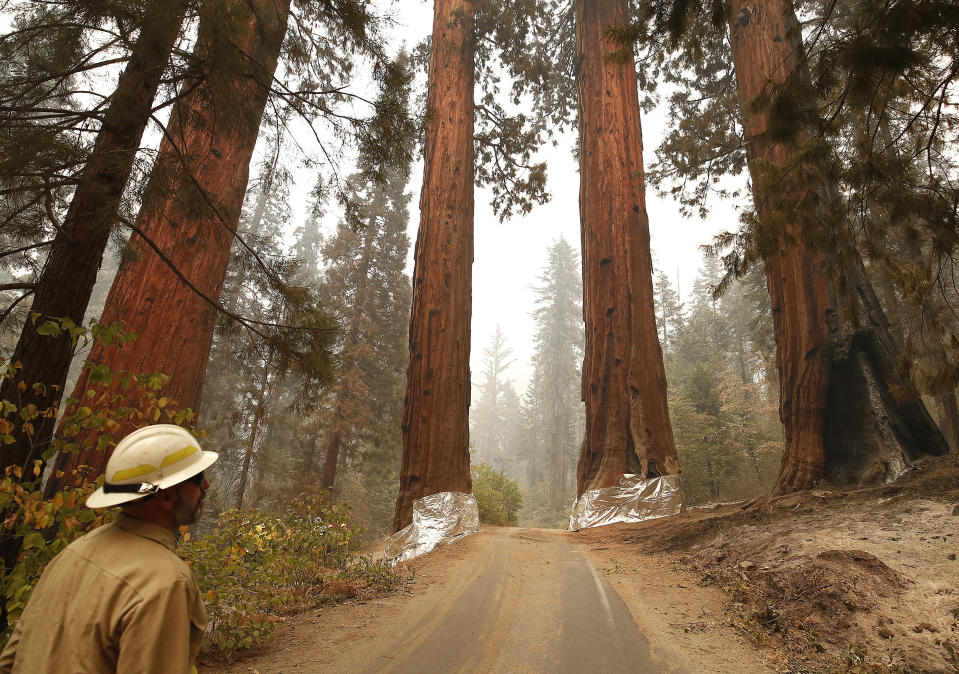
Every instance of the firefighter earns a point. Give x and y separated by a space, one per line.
119 599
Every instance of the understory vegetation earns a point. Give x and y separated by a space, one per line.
255 566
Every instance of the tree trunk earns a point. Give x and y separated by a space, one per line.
624 383
265 391
847 416
950 419
190 210
436 409
63 289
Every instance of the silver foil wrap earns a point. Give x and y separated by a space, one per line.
634 499
438 518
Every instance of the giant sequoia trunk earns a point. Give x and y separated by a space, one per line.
63 289
435 414
848 416
624 383
191 208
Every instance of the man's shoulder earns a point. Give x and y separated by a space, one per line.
129 557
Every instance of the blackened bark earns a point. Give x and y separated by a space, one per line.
624 382
64 287
848 417
436 409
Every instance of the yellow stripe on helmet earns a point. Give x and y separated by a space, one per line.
144 468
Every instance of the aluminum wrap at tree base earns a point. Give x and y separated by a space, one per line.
634 499
437 518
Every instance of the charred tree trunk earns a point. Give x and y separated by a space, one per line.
190 210
847 416
64 287
624 383
436 409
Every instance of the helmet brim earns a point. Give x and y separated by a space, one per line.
101 499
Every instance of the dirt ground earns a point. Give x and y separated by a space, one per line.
828 580
511 600
833 580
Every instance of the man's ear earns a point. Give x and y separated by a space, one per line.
167 498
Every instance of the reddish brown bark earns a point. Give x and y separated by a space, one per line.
436 410
624 383
190 209
847 414
63 289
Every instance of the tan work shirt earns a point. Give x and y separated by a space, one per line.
115 600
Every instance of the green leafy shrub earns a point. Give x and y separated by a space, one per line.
498 498
256 565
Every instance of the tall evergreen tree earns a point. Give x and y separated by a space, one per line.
435 413
367 288
624 383
63 289
489 427
554 395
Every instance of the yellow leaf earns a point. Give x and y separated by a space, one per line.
210 595
163 402
186 537
37 467
18 471
156 414
58 501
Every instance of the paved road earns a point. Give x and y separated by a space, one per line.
531 602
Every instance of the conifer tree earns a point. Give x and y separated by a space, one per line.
624 383
435 414
836 357
554 394
63 289
367 289
489 428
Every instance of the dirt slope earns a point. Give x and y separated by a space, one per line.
827 580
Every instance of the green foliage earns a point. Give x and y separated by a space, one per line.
497 497
255 565
722 393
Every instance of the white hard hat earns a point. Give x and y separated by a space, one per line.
147 460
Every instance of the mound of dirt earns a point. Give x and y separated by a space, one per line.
827 580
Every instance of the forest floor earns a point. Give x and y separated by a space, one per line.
825 580
831 580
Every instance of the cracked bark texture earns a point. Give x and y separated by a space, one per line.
624 382
190 210
436 408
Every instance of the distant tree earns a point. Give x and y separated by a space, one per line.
669 311
624 383
553 398
367 289
490 431
727 431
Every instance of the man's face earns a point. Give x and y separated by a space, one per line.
190 495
